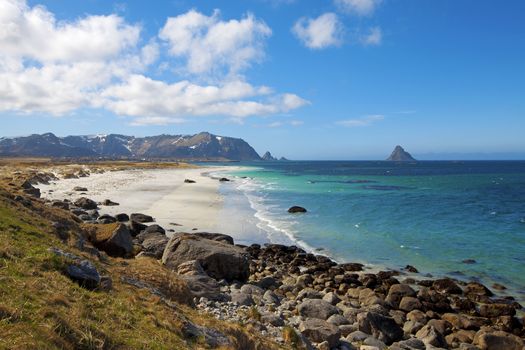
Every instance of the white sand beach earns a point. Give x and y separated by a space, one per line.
160 193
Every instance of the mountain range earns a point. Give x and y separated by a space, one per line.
202 146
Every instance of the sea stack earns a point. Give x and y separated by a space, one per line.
268 157
400 155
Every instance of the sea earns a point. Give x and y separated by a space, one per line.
462 219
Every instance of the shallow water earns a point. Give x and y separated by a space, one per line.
432 215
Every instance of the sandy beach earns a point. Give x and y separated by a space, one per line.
161 193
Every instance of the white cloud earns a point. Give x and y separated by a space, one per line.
363 121
209 44
319 33
358 7
141 96
296 122
58 67
34 33
373 37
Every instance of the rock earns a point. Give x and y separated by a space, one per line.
270 297
410 303
80 189
223 179
60 204
357 336
203 286
382 327
498 286
461 336
109 203
218 259
316 308
116 243
331 298
188 181
153 244
85 203
106 219
411 268
469 261
446 286
268 282
154 228
219 237
141 218
338 320
241 298
319 331
397 292
211 337
136 228
80 270
409 344
430 336
496 310
297 209
497 340
475 288
252 290
272 319
378 344
122 217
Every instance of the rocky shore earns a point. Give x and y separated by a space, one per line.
304 300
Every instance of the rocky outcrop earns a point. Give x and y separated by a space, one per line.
400 155
86 203
218 259
268 157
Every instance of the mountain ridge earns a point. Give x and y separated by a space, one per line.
203 145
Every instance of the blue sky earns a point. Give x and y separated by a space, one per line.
330 79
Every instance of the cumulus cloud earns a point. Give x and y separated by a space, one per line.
208 44
57 67
358 7
319 33
363 121
373 37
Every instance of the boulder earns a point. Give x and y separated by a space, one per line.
154 228
220 237
398 292
430 336
497 340
218 259
475 288
106 219
188 181
153 244
496 310
85 203
446 286
115 243
382 327
109 203
80 189
141 218
136 227
122 217
79 270
318 331
316 308
242 299
410 303
297 209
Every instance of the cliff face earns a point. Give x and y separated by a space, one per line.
200 146
400 155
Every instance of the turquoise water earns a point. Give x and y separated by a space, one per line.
432 215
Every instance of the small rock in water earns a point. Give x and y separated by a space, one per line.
469 261
296 209
109 203
223 179
411 268
188 181
80 189
498 286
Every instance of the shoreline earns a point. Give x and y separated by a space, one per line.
214 205
277 287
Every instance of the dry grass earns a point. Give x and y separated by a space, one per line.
40 308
